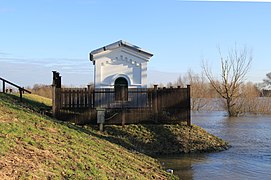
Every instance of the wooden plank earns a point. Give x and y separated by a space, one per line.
82 101
70 98
62 95
85 98
77 98
73 98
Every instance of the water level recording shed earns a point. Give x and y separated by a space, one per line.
120 94
120 63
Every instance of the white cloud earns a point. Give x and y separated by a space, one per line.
27 72
4 54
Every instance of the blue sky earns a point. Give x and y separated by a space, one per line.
37 37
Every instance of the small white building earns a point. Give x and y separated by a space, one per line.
120 64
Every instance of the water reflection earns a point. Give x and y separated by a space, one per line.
248 158
183 164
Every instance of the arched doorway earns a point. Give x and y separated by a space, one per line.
121 89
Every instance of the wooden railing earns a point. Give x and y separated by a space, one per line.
72 98
141 104
21 89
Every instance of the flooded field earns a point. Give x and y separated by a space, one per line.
248 158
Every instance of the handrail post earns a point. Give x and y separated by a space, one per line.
4 86
21 94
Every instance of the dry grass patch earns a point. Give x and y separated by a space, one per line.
23 161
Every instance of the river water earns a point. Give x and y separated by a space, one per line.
248 158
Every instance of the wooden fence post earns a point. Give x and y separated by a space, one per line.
56 94
56 79
155 103
56 100
89 102
93 98
188 106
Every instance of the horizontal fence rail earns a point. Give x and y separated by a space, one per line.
72 98
133 105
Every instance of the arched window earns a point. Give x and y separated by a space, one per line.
121 89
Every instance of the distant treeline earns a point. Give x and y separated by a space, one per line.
254 98
42 90
203 95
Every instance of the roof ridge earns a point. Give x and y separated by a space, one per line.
116 45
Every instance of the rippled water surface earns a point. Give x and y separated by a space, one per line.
248 158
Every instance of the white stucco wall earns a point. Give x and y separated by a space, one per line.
120 62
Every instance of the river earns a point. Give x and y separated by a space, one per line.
248 158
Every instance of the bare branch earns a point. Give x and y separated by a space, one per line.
234 68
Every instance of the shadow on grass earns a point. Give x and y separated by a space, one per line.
157 139
160 141
28 104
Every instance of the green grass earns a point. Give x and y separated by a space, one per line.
38 99
162 139
34 146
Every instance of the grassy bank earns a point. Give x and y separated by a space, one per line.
164 139
34 146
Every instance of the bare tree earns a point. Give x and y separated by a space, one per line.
250 99
199 88
234 68
42 90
